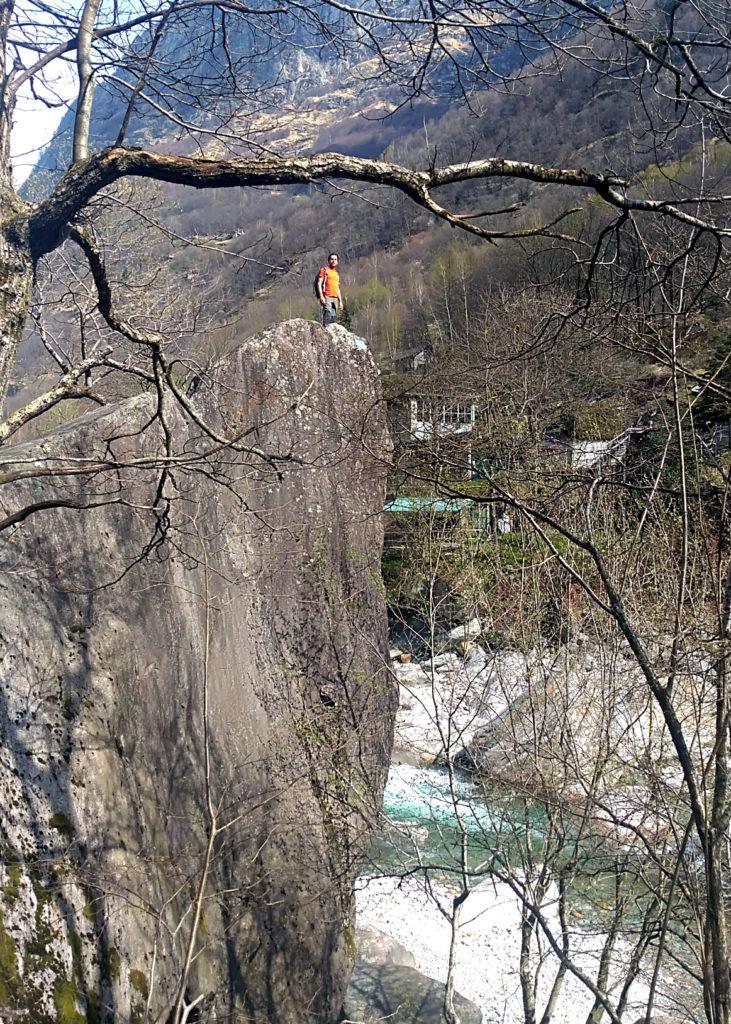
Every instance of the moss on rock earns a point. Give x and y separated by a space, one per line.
138 981
65 999
10 980
11 889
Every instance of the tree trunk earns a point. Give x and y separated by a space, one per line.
717 838
16 282
717 928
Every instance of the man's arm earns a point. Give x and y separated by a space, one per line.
341 303
320 285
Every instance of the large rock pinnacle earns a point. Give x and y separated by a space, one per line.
209 647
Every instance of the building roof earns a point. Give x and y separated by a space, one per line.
427 503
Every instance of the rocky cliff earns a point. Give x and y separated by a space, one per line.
195 715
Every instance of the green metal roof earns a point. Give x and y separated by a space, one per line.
427 503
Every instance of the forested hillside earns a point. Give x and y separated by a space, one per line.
255 252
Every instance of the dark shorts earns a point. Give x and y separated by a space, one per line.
330 312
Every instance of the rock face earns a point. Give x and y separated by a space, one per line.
378 949
195 716
385 985
401 995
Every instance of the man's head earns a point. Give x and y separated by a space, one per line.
333 260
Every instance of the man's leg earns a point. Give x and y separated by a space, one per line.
330 312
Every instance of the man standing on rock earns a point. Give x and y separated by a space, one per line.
328 290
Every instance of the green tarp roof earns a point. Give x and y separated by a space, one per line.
426 504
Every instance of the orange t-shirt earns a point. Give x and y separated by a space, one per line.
331 282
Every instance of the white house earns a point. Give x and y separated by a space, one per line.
443 419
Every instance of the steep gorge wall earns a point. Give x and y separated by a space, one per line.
240 613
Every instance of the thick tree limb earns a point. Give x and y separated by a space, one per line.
85 241
65 388
49 221
15 518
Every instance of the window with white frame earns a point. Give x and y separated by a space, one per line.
447 417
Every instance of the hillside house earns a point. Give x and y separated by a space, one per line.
443 518
595 455
429 418
599 455
434 436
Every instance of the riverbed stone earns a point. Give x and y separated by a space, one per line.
410 673
467 631
536 706
446 662
475 658
417 740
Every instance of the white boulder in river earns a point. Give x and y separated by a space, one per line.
440 706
